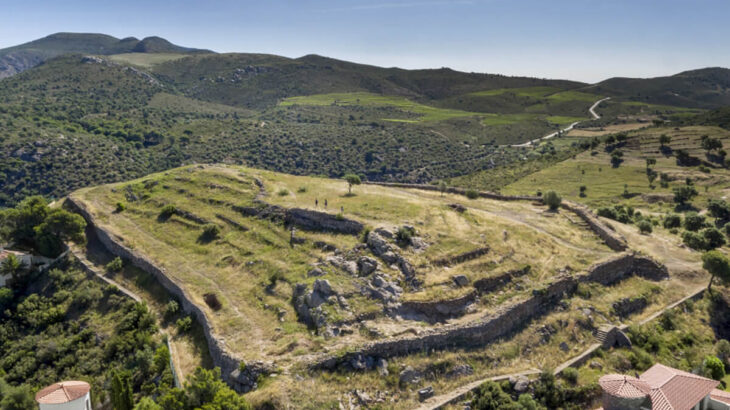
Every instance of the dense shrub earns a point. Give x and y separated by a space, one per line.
552 200
472 194
210 232
694 221
645 226
115 265
713 367
684 194
571 374
694 240
168 211
672 221
184 324
713 238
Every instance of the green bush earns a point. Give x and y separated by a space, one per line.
210 232
713 367
645 226
694 240
301 189
171 308
283 192
120 207
552 200
115 265
672 221
472 194
184 324
713 238
722 350
694 221
404 235
168 211
571 374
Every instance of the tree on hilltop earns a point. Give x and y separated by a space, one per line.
352 179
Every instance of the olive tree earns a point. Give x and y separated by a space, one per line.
352 179
718 265
552 200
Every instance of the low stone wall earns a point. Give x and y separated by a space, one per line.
509 318
612 239
490 284
624 264
303 218
460 191
439 310
322 221
462 257
229 364
479 333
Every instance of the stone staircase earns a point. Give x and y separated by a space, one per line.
602 334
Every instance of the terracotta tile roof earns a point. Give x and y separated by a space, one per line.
673 389
624 386
63 392
720 395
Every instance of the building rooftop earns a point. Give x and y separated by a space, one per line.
62 392
620 385
673 389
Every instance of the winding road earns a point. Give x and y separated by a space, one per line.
566 129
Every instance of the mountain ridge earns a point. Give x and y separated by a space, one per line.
16 59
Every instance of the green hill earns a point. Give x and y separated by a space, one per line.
16 59
703 88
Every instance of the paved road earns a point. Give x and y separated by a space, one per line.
568 128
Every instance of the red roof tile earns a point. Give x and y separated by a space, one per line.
624 386
63 392
673 389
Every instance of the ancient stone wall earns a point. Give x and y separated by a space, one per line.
509 318
322 221
612 239
462 257
492 283
229 364
438 310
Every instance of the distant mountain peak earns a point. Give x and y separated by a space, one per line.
19 58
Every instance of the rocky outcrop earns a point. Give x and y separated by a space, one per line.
309 305
241 381
389 254
382 288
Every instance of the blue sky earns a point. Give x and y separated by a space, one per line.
586 40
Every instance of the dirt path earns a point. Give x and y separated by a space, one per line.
436 402
591 110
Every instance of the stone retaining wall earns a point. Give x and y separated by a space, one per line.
229 364
612 239
439 310
509 318
492 283
462 257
